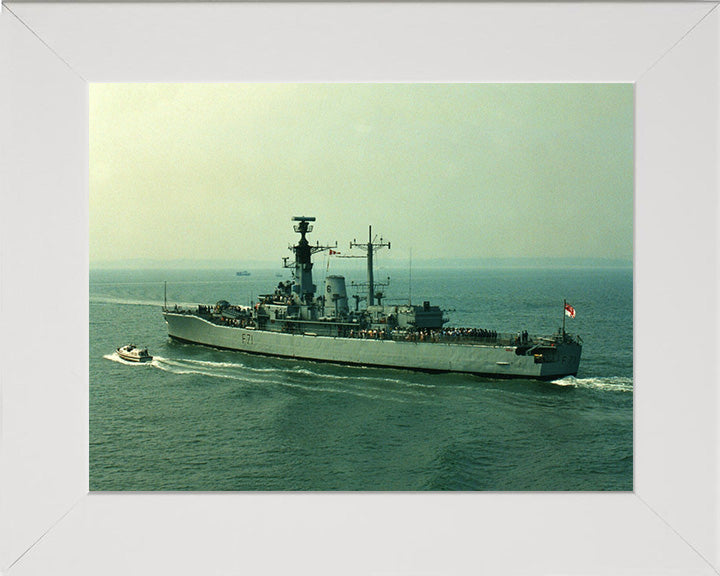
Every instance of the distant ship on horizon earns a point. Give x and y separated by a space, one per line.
293 321
242 273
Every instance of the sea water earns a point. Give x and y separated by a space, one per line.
197 418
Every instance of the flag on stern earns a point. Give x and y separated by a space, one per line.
569 310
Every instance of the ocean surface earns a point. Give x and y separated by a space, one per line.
202 419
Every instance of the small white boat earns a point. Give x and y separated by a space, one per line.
132 353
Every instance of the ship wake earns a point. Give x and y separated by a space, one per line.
606 383
296 377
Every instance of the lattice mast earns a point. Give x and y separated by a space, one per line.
370 247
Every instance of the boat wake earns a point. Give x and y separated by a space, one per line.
608 383
295 377
294 370
223 370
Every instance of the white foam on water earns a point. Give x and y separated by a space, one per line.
609 383
214 364
378 383
244 374
413 384
178 368
348 377
567 381
291 370
237 365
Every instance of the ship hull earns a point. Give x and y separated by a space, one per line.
135 358
482 359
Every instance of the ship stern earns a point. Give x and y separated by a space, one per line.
566 363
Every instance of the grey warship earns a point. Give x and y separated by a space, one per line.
294 321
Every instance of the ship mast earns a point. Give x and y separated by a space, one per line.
304 286
370 247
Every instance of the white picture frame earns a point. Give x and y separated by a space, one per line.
50 524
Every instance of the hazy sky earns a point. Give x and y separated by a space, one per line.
216 171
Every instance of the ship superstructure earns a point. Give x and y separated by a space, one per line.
296 320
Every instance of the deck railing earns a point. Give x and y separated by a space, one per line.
446 335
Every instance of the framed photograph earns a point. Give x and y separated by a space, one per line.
53 55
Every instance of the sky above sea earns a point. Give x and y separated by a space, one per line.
445 171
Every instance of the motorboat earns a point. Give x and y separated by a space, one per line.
132 353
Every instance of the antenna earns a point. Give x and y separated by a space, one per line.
369 247
410 282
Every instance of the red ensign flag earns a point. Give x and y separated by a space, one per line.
569 311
